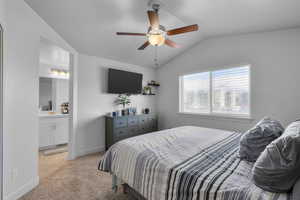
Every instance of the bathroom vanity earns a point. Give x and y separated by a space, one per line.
53 130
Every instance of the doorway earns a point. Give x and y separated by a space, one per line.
54 105
1 112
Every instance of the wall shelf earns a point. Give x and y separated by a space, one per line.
153 85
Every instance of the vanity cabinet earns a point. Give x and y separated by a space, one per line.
53 130
119 128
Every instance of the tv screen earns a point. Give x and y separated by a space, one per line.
123 82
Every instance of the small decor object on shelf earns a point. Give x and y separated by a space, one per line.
153 83
65 108
147 90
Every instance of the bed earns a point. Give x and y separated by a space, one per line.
184 163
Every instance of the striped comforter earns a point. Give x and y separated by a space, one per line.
185 163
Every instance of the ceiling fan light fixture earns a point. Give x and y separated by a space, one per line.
156 39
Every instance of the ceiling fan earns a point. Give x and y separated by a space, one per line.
157 34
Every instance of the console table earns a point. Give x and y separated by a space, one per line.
119 128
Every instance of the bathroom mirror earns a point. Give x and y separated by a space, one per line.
53 94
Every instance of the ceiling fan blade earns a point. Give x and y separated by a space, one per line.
144 45
172 44
153 18
185 29
131 34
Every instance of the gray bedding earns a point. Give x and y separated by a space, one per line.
278 167
185 163
255 140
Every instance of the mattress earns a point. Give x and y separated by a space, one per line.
185 163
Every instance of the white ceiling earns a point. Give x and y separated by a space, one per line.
90 25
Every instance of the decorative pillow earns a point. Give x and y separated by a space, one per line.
278 167
296 190
255 140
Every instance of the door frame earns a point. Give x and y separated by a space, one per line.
72 154
1 111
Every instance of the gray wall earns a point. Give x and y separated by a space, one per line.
23 30
94 102
275 77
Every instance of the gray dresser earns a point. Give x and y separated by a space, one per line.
119 128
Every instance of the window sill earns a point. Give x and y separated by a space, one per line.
245 118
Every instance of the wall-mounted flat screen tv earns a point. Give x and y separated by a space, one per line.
124 82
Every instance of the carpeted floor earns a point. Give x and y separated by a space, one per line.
73 180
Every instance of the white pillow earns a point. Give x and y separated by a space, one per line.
296 191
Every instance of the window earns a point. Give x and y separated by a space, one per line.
222 92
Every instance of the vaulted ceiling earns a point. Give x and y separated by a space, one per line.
90 25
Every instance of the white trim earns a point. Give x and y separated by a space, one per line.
73 108
210 94
87 151
211 69
180 89
220 116
1 111
23 189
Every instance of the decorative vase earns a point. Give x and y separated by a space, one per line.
123 112
147 110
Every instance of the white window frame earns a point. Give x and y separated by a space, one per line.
212 114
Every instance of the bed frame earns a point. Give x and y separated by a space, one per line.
126 189
132 193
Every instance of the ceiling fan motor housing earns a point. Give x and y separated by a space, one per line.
155 7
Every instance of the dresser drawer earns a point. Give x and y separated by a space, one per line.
133 130
152 123
133 121
143 129
143 120
120 123
122 132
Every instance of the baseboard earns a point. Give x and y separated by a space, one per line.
86 151
23 189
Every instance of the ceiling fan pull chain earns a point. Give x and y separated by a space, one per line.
156 57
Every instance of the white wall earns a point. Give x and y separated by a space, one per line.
23 29
275 60
1 110
94 102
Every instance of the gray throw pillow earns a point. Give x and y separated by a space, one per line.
278 167
255 140
296 190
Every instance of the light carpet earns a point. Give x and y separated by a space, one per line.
73 180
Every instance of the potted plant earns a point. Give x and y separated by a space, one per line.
123 100
147 90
